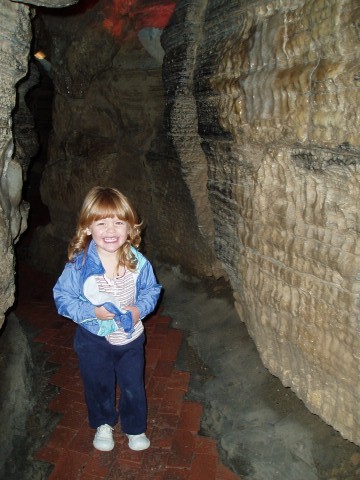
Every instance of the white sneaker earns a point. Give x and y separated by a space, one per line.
138 442
103 439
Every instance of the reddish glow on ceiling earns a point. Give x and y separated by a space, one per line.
125 18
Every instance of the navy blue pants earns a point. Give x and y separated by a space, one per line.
102 366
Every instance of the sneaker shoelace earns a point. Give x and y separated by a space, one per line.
104 429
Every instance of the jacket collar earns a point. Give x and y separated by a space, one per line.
93 265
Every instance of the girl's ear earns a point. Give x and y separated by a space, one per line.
87 231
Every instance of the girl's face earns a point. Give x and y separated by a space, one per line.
109 234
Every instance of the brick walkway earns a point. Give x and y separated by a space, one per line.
177 450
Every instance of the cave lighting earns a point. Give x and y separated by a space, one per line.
41 58
40 55
124 18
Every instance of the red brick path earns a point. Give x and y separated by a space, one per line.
177 451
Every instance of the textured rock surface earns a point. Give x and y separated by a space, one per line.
18 143
285 86
108 110
108 104
265 431
15 36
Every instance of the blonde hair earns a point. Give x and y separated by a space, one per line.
106 202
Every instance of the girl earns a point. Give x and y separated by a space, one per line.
107 288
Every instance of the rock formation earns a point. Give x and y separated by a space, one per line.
278 118
15 38
18 143
240 151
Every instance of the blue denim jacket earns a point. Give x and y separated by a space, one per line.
72 302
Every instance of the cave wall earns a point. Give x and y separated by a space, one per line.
108 129
15 36
18 144
277 93
105 111
18 139
239 147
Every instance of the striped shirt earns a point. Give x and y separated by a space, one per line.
123 288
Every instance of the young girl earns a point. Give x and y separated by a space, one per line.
107 288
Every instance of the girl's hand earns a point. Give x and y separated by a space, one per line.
135 312
103 314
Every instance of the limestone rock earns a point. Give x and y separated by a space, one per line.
283 86
15 36
108 110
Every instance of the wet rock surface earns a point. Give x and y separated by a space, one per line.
264 430
24 395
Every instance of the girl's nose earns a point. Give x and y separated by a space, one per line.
110 227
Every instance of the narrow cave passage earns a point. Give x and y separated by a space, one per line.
124 114
57 408
56 441
39 101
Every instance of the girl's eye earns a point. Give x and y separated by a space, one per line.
120 222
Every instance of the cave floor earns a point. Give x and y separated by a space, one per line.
214 411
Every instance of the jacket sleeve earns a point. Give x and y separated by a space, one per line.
68 296
147 290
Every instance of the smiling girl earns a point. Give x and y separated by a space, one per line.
107 288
